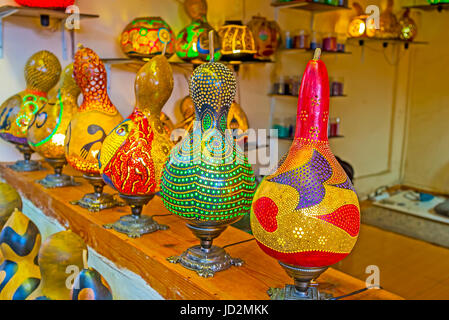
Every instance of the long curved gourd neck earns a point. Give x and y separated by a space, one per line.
91 77
153 87
313 103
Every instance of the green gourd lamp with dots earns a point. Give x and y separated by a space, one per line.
207 180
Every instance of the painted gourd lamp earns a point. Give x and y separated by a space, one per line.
237 42
207 180
192 42
134 153
47 131
20 241
95 118
306 214
147 37
42 72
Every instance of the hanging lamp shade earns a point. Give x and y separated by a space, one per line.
46 3
146 37
237 42
306 215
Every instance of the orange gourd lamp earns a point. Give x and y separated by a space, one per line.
42 72
95 118
306 215
134 153
47 131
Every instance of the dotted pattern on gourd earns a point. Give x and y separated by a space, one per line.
207 176
90 75
42 71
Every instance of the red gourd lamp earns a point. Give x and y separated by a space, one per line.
46 3
306 214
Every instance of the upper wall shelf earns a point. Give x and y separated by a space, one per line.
45 15
386 42
135 64
430 7
306 5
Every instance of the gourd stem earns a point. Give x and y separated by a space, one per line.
317 54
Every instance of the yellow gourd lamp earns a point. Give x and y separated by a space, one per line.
306 215
47 131
408 27
42 72
61 258
96 117
20 241
134 153
359 25
9 201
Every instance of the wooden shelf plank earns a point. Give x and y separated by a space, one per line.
430 7
146 256
37 12
307 5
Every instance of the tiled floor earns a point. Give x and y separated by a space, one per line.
411 268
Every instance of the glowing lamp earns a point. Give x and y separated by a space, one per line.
42 72
360 26
20 241
409 29
147 37
207 180
134 153
306 215
95 118
47 130
237 42
46 3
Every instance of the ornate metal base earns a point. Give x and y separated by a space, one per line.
97 201
135 225
302 290
206 259
26 165
58 179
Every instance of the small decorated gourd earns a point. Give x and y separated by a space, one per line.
47 131
90 125
60 258
90 285
306 214
237 42
146 37
134 153
9 201
408 27
267 36
42 72
389 27
20 241
192 42
207 180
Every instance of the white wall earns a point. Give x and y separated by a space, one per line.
372 115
